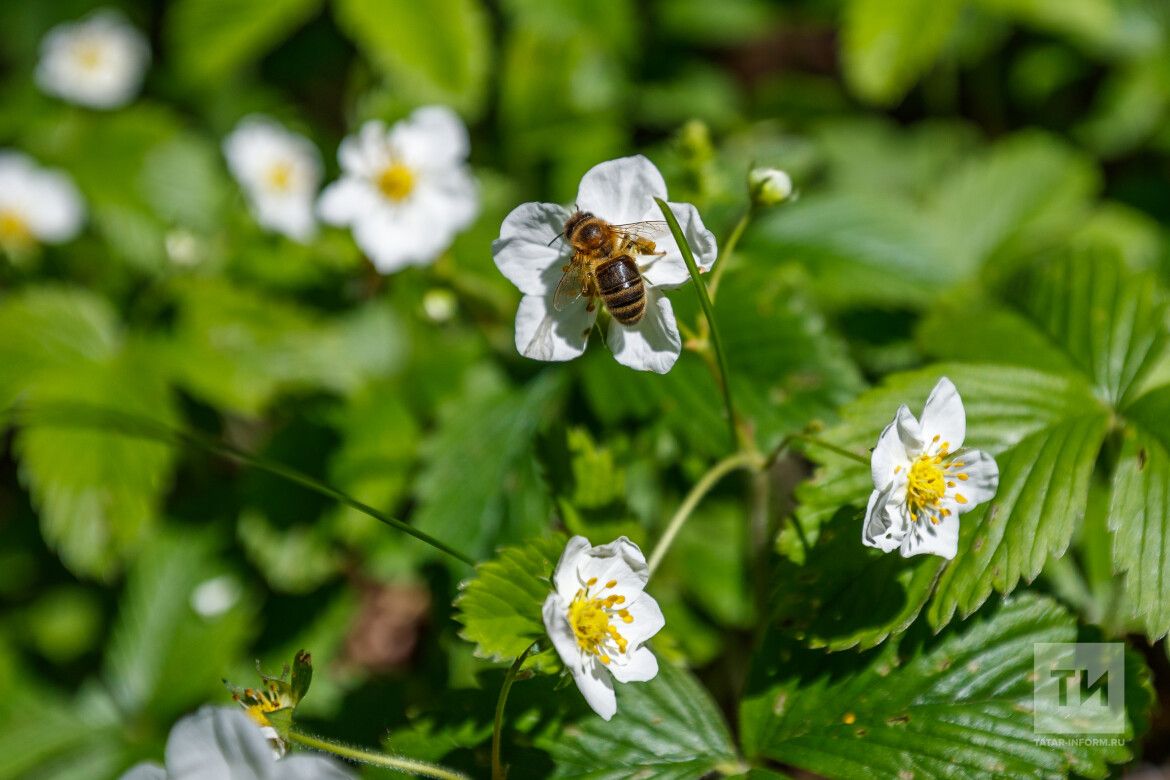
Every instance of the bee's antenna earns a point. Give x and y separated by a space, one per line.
554 238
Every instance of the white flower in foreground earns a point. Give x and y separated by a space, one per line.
279 172
532 252
405 191
599 618
221 742
98 61
924 478
37 205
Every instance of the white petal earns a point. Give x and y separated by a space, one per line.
365 153
982 478
889 454
454 194
596 686
145 771
56 211
542 333
647 621
523 252
881 529
670 270
641 666
345 200
925 537
291 216
309 767
394 239
653 344
620 561
621 191
217 742
555 613
909 431
943 415
565 575
432 136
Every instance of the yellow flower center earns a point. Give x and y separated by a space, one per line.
259 702
14 230
396 181
592 616
280 177
88 55
928 481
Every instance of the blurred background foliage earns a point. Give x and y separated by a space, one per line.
945 153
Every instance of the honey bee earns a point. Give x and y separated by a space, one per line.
604 265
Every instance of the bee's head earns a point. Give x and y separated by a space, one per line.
584 230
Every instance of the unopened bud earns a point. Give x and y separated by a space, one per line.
769 186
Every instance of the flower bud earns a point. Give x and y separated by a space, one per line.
769 186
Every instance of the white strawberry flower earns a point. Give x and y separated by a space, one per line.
279 172
37 205
924 478
405 191
98 61
599 618
531 252
223 742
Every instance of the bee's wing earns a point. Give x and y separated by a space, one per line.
572 285
651 229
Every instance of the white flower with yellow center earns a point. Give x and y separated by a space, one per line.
279 172
405 191
599 618
217 743
99 61
924 478
533 253
37 206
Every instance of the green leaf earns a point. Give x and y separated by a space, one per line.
432 52
888 45
1139 513
164 657
961 703
211 39
500 607
475 461
668 729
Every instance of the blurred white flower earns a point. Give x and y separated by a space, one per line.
279 172
924 478
37 205
213 597
532 252
769 186
219 742
405 191
98 61
599 618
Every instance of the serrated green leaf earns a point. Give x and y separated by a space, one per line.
961 704
500 607
476 461
889 45
210 39
667 729
1139 513
432 52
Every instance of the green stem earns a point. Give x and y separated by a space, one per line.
376 758
709 313
498 770
727 248
739 460
151 429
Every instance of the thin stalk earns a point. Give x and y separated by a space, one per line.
709 313
376 758
498 770
740 460
727 248
151 429
817 442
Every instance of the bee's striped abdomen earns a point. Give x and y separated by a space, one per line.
621 287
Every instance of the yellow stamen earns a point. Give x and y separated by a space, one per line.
280 177
591 618
396 181
611 583
14 230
